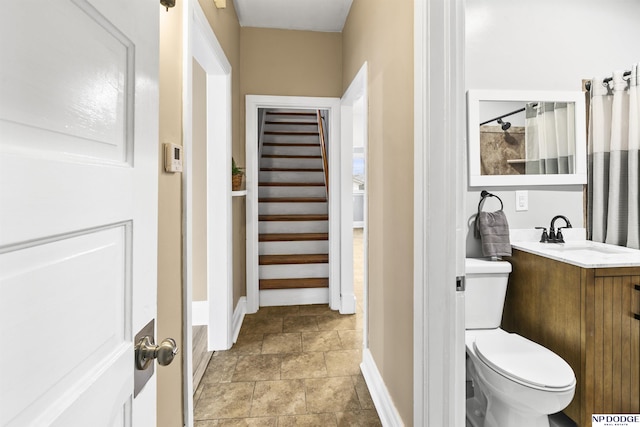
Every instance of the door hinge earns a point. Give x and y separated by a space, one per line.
460 283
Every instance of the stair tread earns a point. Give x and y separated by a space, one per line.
284 122
290 156
291 113
292 237
292 199
294 217
291 170
290 132
293 259
291 144
291 184
308 282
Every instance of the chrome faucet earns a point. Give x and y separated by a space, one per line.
557 237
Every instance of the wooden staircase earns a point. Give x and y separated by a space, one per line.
292 204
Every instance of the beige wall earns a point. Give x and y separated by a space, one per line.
381 33
290 63
169 409
199 171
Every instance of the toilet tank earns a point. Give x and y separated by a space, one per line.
485 290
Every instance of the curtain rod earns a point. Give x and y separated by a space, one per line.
505 115
587 85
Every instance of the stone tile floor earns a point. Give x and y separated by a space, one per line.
291 366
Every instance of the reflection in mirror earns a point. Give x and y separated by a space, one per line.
527 138
535 138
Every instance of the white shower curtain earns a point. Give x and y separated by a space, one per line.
549 137
614 160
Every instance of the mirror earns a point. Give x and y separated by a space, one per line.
526 138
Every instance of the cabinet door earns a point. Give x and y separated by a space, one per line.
613 346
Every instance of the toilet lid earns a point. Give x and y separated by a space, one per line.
524 361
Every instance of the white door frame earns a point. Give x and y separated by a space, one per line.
200 43
253 103
439 121
357 91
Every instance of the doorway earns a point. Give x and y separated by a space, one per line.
254 104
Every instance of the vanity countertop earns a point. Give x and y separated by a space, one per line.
583 253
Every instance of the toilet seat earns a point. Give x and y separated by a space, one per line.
524 362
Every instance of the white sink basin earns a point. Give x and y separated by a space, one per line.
584 253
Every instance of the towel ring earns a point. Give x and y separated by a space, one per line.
484 194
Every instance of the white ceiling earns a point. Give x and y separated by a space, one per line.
310 15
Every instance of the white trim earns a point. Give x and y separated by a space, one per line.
238 316
439 131
253 103
209 54
199 313
356 92
200 43
389 415
278 297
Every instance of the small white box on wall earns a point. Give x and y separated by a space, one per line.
172 157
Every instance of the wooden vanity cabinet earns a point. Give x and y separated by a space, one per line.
586 316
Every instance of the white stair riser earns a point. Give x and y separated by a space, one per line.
291 271
267 208
267 191
279 297
303 247
293 227
269 176
272 127
291 150
270 162
304 139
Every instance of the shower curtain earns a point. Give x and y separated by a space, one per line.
549 137
614 154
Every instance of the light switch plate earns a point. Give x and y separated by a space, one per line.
522 200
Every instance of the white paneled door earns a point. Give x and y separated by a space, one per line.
78 209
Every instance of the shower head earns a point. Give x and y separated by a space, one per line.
504 125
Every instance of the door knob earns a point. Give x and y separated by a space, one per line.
146 351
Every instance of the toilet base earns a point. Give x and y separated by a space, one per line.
478 415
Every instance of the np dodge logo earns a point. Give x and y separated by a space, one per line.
615 420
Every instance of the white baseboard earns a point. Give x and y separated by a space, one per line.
200 313
387 411
238 317
348 304
276 297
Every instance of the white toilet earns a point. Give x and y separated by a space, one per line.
516 382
